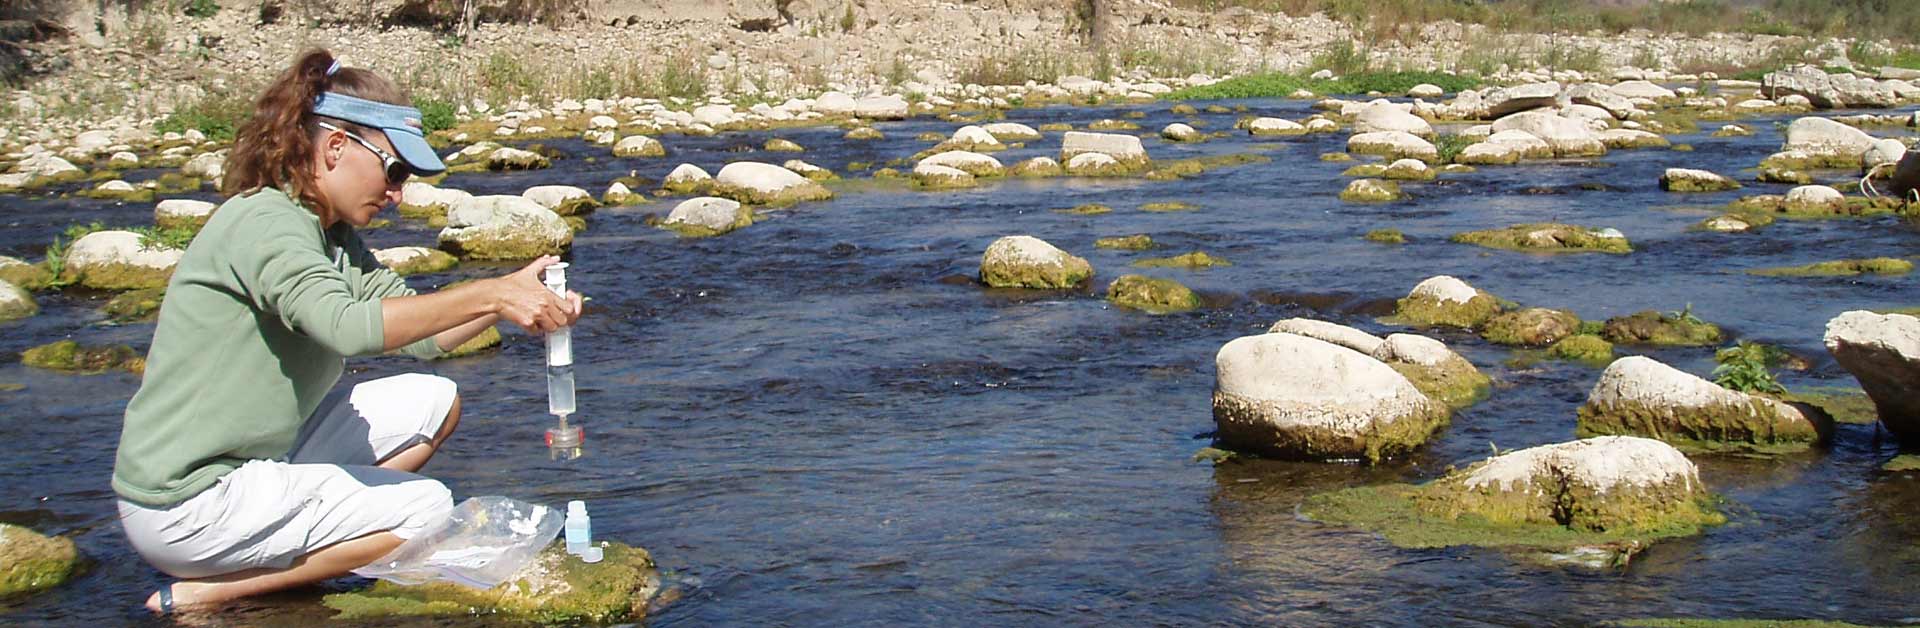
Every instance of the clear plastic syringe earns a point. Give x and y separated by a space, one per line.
563 441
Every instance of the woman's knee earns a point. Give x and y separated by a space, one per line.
451 421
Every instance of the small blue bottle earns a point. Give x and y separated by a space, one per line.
579 528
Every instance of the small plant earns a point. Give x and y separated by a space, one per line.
1743 367
202 8
57 251
157 239
435 114
1450 146
1685 315
217 116
847 20
1341 58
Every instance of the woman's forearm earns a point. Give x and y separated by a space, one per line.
459 335
442 315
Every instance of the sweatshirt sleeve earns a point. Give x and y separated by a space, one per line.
379 282
286 272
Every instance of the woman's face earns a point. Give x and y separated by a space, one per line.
352 178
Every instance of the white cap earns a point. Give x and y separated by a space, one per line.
592 554
576 507
557 274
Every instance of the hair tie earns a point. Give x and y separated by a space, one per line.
333 68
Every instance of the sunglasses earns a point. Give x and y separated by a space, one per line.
397 170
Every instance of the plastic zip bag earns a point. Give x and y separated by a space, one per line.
483 543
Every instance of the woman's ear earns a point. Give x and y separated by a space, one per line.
332 146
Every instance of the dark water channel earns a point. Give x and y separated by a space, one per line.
818 421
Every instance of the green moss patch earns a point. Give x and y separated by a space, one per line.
1086 209
1196 259
1545 238
32 562
1661 328
27 276
1242 429
1456 383
1903 462
1754 427
1386 236
1849 207
1840 268
434 261
1136 242
1188 168
135 305
1846 405
72 357
556 589
1423 310
1411 516
1170 206
1152 295
1583 348
487 339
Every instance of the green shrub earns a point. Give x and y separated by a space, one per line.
217 116
1279 84
435 114
1450 146
1743 367
202 8
155 238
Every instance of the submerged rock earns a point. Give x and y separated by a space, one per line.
136 305
118 260
1839 268
1371 191
1883 352
1136 242
30 561
1151 295
1531 327
1582 348
778 145
72 357
707 216
26 276
1688 180
1196 259
504 228
1036 167
1599 493
556 588
766 184
1386 236
1548 238
1639 396
1029 262
1661 328
1292 396
1444 300
415 260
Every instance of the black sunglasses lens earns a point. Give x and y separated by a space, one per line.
397 171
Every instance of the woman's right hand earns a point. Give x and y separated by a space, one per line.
523 300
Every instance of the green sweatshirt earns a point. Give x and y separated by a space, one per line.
259 317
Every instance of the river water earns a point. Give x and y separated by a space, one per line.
821 420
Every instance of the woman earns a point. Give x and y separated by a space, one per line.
238 471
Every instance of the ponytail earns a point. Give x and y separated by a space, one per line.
275 148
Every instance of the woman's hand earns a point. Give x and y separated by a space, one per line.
521 298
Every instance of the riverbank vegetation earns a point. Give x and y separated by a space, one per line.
1402 19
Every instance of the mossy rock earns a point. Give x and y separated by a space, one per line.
1455 383
1531 327
1365 171
809 191
1136 242
1152 295
778 145
1196 166
1546 237
1336 157
26 276
1169 206
1086 209
71 357
135 195
1774 174
1849 207
1054 127
1372 191
31 562
1754 426
556 588
1424 310
1851 406
1386 236
117 276
1112 125
1586 348
1195 260
1903 462
1841 268
174 183
1184 109
1027 262
488 338
434 261
1656 328
931 136
1548 511
135 305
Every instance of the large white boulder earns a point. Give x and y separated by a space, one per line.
1023 261
707 216
1331 332
972 163
1567 137
1883 352
1824 138
504 227
565 200
117 260
1125 149
639 146
1294 396
1393 144
1011 132
175 213
1386 116
766 184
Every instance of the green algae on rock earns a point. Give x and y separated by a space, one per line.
1661 328
487 339
1586 348
1547 237
1642 397
1086 209
135 305
1136 242
1386 236
1434 369
1295 396
30 561
556 588
1838 268
1029 262
1590 492
26 276
16 303
1150 294
1196 259
1336 157
70 356
1168 206
1846 405
1372 191
1531 327
1196 166
1903 462
1848 207
1444 300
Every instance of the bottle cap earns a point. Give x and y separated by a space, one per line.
576 507
592 554
557 274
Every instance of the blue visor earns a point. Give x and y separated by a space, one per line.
401 124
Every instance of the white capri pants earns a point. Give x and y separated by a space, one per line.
268 513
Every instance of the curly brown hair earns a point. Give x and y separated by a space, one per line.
275 148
